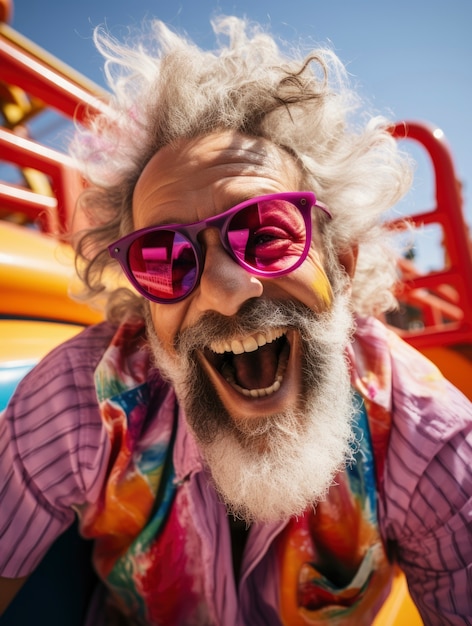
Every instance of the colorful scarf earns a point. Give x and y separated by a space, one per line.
331 565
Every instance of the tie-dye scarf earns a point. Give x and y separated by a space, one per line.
330 563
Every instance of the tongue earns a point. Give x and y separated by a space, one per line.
256 370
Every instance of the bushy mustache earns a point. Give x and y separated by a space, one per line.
255 315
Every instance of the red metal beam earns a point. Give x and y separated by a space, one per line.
34 205
22 64
447 213
65 180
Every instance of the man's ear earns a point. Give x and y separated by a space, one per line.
348 259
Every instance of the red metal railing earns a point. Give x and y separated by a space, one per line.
53 214
56 86
43 76
442 298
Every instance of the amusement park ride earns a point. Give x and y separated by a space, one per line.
36 267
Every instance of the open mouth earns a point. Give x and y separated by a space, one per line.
254 365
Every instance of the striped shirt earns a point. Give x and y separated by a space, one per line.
55 451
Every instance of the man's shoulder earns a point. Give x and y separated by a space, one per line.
430 442
80 353
426 409
93 339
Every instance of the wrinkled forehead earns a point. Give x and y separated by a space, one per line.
225 153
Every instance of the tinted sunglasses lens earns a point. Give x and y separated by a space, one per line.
269 236
164 264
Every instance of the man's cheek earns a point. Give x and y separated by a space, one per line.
322 287
310 285
166 323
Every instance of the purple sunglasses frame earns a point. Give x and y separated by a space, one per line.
303 200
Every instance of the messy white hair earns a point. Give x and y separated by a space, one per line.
165 88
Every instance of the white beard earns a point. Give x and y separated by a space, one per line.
280 465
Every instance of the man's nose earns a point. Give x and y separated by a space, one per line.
224 285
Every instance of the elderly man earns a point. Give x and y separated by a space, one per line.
243 440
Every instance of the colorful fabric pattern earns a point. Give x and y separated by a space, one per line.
331 565
334 569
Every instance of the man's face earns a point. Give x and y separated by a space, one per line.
249 406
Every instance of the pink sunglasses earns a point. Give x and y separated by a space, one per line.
269 236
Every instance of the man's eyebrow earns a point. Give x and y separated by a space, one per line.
242 198
169 221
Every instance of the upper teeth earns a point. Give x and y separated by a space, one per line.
248 344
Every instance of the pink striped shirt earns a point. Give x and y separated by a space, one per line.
54 453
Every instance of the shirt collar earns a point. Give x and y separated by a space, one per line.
187 456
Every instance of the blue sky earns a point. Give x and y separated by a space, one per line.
411 59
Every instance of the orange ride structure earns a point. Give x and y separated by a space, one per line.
38 187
